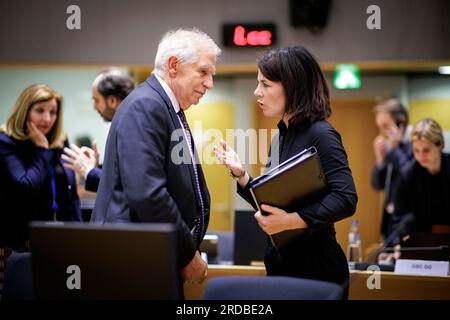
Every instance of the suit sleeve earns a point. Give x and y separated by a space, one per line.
26 180
93 179
404 193
142 142
378 178
340 200
400 156
402 218
246 194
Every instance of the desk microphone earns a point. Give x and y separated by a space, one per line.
402 227
434 248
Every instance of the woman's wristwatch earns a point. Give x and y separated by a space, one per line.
237 177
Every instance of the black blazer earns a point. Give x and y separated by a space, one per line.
142 180
340 200
316 254
424 197
25 189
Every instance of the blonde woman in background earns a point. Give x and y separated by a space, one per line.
423 193
34 185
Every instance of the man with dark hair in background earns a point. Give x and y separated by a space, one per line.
392 151
109 88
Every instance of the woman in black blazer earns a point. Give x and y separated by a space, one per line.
291 86
423 194
34 185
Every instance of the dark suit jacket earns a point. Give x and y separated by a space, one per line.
142 179
93 179
25 189
424 196
397 159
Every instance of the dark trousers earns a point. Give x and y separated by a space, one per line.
315 256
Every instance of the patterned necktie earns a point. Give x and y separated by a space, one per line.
200 227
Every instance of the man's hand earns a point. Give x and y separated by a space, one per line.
196 270
379 148
80 160
394 137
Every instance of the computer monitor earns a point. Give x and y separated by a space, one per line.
114 261
249 239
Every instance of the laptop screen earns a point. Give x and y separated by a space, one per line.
116 261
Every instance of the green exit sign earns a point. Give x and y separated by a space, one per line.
346 76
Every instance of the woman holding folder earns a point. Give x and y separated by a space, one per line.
291 87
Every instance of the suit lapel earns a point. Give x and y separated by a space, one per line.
154 83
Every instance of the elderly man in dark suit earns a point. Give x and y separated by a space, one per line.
151 171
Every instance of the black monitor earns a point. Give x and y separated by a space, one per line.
426 246
249 239
114 261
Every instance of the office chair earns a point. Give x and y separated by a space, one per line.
226 246
270 288
18 278
220 248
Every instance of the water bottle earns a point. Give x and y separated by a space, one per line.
354 254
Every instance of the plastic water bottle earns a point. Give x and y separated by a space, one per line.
354 254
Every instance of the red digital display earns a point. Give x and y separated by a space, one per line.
248 35
252 38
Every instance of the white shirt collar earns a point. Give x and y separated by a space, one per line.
407 134
169 92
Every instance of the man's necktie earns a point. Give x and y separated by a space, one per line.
200 227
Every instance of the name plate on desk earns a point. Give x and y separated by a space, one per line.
421 267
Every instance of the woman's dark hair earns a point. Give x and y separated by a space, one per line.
307 95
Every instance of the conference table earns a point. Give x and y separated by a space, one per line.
363 285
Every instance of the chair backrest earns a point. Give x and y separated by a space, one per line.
224 249
18 278
249 239
270 288
226 246
111 261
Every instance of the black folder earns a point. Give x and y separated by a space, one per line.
291 185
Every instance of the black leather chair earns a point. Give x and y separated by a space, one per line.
18 278
270 288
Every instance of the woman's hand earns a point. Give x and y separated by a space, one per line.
278 220
231 160
37 137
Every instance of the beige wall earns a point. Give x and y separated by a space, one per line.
116 31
